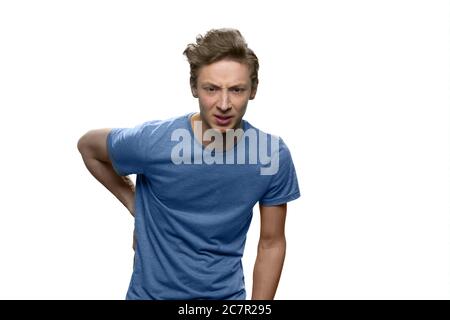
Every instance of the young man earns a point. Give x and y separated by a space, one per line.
199 176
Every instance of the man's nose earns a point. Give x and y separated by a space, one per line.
224 103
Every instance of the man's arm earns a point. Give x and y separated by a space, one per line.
93 149
271 252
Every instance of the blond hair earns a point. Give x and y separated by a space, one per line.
218 44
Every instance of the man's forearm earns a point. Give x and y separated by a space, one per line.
267 270
121 187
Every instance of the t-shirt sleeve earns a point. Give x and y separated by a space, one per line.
283 186
128 149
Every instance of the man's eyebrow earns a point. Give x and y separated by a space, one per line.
215 85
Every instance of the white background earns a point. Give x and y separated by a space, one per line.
359 90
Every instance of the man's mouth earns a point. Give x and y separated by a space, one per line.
222 120
222 117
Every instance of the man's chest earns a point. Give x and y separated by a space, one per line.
223 184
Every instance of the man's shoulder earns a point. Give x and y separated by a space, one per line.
263 134
161 126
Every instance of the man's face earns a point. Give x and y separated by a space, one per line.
223 90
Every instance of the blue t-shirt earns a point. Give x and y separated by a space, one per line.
191 216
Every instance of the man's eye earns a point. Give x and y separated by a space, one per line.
236 90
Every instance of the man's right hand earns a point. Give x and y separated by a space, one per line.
93 148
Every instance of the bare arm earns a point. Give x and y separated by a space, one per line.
93 149
271 252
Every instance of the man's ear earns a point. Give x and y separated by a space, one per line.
253 92
194 92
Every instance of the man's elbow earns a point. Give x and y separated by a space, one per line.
93 144
82 144
89 146
272 242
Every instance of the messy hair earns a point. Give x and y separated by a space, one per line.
218 44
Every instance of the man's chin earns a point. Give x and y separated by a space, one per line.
220 129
